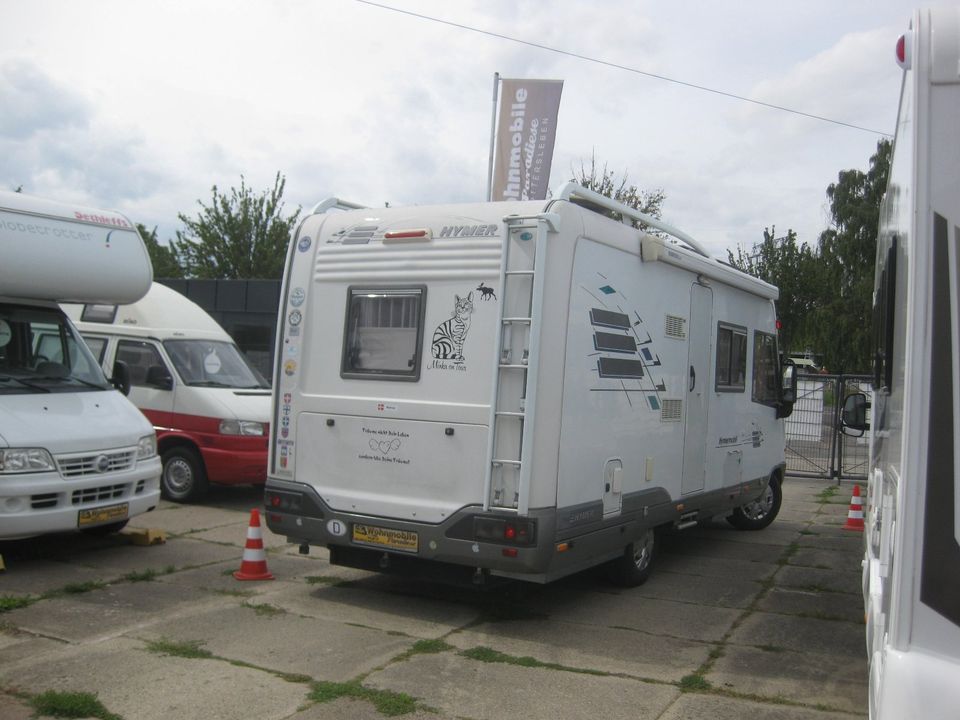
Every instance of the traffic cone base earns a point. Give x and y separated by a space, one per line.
254 563
855 514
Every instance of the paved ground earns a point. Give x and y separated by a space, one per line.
764 625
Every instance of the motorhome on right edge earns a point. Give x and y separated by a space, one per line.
911 579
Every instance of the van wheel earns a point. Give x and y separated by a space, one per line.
761 512
184 478
104 530
633 567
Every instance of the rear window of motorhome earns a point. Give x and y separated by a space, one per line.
383 333
731 358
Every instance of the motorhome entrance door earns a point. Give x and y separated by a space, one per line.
697 396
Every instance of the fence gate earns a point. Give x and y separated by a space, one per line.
815 445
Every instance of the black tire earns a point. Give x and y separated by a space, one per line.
104 530
760 513
184 478
633 567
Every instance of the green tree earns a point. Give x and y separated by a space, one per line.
791 266
166 263
604 182
239 235
847 252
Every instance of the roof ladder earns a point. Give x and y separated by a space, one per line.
507 482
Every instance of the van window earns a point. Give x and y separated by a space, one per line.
139 356
213 363
97 346
731 358
383 333
765 369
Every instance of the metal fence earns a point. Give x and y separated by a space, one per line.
815 445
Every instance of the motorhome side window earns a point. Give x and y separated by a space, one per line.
731 358
766 374
383 333
140 357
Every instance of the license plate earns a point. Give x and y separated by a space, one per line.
101 515
405 540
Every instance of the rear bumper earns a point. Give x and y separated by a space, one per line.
41 503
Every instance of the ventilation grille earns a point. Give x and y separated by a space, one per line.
96 463
671 411
98 494
676 327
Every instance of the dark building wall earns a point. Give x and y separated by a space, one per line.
246 309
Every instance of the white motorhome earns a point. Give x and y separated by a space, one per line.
911 579
74 452
518 389
209 405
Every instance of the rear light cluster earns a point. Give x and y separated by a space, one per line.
505 531
282 501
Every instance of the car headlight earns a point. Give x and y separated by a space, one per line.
240 427
147 447
25 460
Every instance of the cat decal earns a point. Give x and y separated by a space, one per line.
450 335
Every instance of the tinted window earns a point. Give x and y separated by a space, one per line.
766 376
731 358
383 333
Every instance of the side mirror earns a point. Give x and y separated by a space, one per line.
121 377
853 417
788 391
159 377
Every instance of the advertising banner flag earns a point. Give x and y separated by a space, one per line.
526 129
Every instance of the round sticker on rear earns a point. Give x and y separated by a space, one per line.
211 363
5 333
336 528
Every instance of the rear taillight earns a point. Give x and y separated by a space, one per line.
283 501
505 531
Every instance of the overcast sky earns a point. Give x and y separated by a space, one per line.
143 106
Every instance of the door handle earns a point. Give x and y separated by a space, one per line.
693 378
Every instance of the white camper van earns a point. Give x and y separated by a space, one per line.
74 453
210 407
911 579
518 389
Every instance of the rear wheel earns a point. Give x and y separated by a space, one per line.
633 567
761 512
184 478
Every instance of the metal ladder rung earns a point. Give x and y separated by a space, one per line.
520 320
511 413
515 463
514 366
518 272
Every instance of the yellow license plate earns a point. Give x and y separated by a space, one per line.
405 540
101 515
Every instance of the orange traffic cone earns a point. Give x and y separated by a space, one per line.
855 515
254 563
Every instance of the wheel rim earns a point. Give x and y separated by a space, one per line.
758 509
643 551
178 476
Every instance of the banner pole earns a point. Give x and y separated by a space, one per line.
493 133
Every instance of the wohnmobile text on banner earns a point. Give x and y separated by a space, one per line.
526 129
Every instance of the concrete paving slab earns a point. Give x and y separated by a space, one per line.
424 618
645 615
38 576
219 576
836 682
835 539
721 545
181 519
103 613
268 637
714 567
775 535
493 691
12 708
134 683
352 709
824 605
600 649
178 553
848 581
710 591
236 534
801 634
842 561
695 706
15 647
